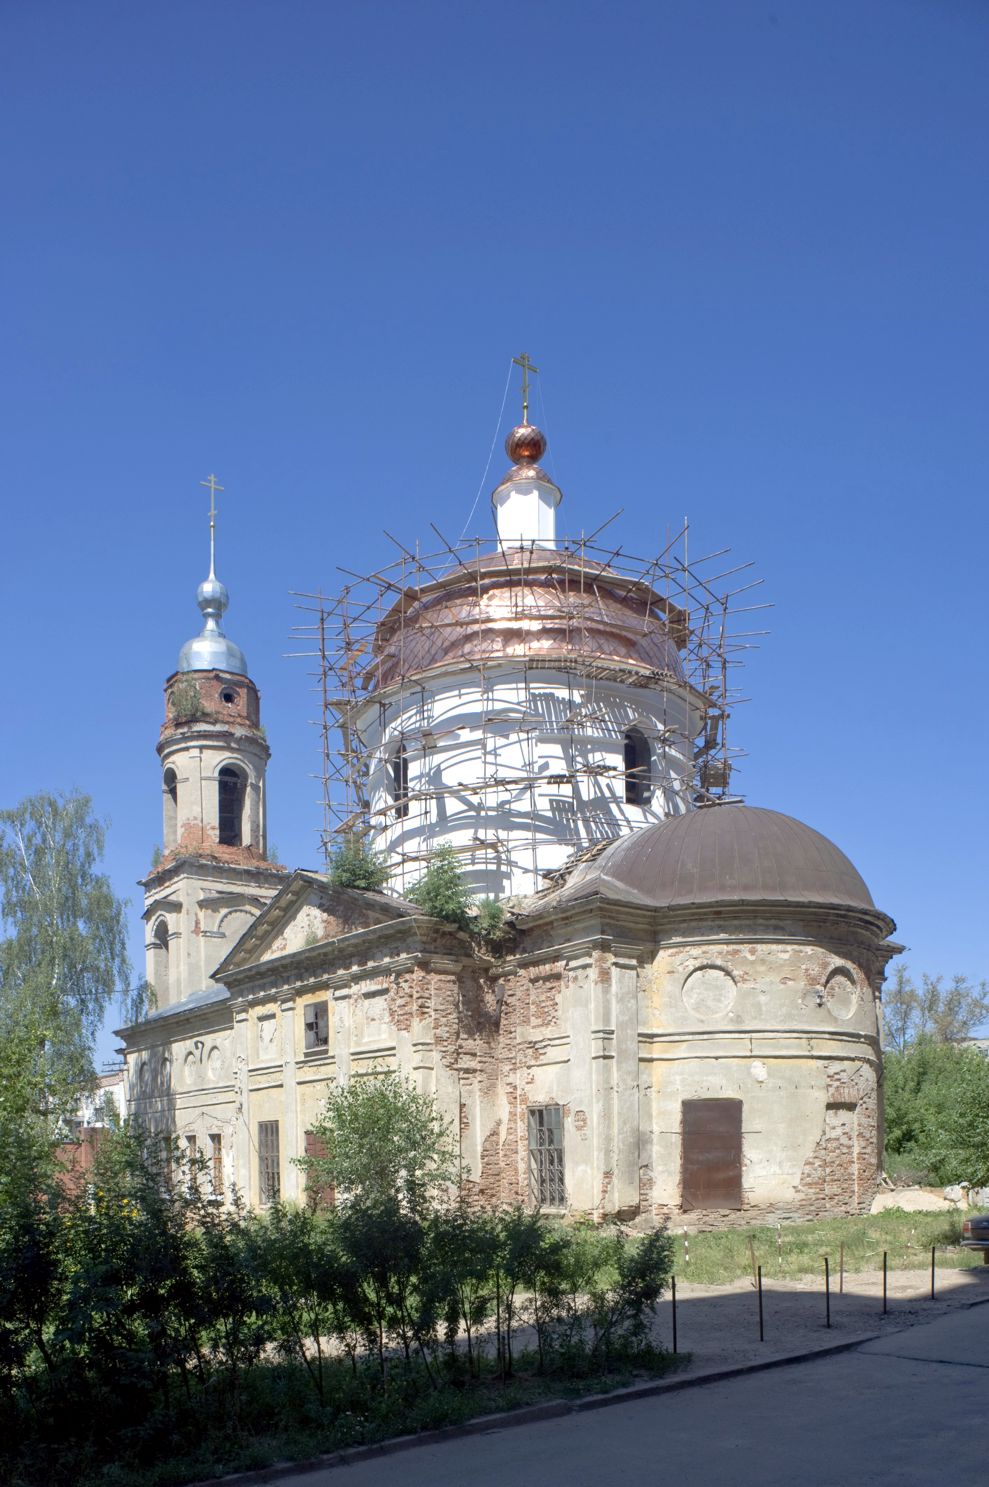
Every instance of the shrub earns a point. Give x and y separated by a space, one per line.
353 865
442 892
491 922
185 705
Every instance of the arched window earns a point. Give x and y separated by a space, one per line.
638 768
232 788
400 782
161 967
171 793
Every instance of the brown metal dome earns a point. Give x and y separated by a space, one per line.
723 855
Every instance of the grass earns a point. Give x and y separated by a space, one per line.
796 1249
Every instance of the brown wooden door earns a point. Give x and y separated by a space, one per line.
712 1154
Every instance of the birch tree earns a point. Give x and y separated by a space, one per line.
63 953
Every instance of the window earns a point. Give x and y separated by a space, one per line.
231 806
191 1162
229 696
269 1165
216 1164
400 782
317 1026
160 959
638 768
171 791
547 1183
318 1195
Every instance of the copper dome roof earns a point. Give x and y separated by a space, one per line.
722 855
534 603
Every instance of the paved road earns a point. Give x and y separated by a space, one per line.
910 1409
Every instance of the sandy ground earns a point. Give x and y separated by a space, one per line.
719 1325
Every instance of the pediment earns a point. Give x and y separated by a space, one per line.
308 911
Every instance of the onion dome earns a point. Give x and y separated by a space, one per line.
724 855
525 444
211 650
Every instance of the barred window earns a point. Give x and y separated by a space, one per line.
216 1164
547 1180
317 1026
269 1165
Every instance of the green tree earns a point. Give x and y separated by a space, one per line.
937 1111
442 892
353 865
945 1013
63 956
383 1141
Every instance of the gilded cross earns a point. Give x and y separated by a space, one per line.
527 367
212 485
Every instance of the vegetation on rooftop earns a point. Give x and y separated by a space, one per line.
354 865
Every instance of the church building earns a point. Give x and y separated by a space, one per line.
682 1018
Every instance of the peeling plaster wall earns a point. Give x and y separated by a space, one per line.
616 1017
781 1020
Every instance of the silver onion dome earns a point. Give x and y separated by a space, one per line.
211 650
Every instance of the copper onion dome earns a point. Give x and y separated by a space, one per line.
525 444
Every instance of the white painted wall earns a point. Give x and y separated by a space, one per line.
502 769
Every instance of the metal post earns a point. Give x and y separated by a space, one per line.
885 1259
841 1268
762 1336
827 1291
932 1271
673 1297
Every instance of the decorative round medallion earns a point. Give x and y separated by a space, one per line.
189 1068
758 1071
214 1063
841 995
708 992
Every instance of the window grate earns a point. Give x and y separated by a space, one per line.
216 1164
547 1176
269 1165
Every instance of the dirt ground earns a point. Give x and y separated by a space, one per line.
719 1325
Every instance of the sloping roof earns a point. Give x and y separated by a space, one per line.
722 855
280 909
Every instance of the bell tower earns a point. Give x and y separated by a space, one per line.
213 876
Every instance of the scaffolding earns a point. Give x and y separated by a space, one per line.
382 636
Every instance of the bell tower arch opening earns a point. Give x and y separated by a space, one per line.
231 798
170 793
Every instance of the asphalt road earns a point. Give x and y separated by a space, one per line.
909 1409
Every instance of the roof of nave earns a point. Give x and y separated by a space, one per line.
721 855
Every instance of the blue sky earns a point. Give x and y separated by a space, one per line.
298 244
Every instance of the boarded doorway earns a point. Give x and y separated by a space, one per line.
712 1154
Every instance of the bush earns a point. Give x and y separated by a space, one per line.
353 865
442 892
149 1335
491 922
937 1111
